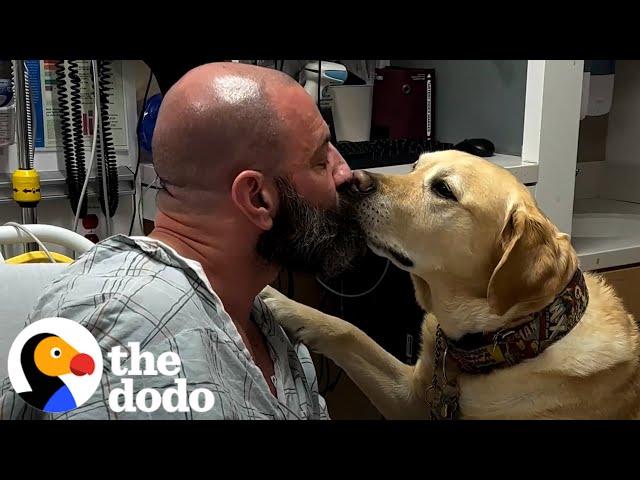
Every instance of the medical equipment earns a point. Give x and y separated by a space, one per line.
25 180
151 109
80 141
318 76
81 206
68 83
140 131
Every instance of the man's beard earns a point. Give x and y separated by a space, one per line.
309 239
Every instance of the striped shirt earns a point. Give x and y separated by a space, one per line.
136 289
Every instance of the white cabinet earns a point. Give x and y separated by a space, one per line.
606 230
550 136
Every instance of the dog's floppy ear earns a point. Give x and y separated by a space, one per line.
423 292
533 262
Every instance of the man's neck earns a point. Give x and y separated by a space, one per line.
236 276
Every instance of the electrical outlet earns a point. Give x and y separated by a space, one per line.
92 225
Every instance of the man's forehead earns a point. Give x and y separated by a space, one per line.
293 102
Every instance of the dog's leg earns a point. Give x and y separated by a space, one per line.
396 389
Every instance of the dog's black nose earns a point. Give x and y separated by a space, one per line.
363 183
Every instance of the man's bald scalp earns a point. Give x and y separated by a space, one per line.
216 121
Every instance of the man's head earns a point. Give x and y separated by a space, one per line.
244 149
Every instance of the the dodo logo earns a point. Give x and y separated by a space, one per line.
55 365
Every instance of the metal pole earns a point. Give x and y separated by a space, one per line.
29 215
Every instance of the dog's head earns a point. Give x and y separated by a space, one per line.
471 222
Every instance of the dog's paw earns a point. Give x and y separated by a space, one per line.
291 315
317 330
270 294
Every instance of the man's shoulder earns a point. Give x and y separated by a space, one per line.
122 263
124 256
120 290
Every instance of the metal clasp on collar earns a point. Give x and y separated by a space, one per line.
499 336
444 362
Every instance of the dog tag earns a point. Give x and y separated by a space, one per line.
444 402
449 402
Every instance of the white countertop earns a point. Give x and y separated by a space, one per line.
606 251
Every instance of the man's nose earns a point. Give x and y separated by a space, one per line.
341 171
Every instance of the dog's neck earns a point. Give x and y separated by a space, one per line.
462 307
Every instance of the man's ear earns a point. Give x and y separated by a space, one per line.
258 200
534 262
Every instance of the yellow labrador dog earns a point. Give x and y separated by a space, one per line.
514 329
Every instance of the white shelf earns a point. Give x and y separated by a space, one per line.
606 251
526 172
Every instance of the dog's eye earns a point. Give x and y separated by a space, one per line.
413 167
441 188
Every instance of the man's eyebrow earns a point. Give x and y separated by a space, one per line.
326 140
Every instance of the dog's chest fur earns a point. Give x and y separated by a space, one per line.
593 372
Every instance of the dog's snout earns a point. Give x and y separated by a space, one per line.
363 183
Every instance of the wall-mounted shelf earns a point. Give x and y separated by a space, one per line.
53 185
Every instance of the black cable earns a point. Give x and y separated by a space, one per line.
66 134
78 166
109 167
135 174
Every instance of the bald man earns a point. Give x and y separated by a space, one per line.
251 184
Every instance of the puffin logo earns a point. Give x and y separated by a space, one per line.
55 365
